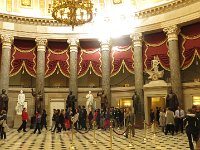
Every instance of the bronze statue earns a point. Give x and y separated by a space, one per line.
70 102
172 100
136 100
38 100
4 101
104 100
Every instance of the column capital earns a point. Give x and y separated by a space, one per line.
7 38
136 39
41 41
73 43
172 32
105 44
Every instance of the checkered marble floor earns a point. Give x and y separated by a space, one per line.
62 141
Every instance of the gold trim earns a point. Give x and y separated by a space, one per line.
155 45
195 50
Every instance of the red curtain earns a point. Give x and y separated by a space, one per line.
89 60
57 57
121 57
23 56
155 45
189 44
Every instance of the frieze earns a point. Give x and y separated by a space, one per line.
139 14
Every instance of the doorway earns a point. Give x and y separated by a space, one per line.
152 103
56 104
125 102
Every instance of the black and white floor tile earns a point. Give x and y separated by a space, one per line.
63 141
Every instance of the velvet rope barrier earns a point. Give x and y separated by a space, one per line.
121 133
82 132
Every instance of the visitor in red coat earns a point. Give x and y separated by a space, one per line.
24 120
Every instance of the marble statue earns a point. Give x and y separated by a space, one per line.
154 73
20 103
89 102
4 101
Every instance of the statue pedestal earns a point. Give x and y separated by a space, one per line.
17 121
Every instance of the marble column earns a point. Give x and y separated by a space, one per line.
7 41
73 43
175 71
105 66
138 69
40 72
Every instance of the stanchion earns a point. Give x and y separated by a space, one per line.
145 132
94 141
111 136
130 135
72 144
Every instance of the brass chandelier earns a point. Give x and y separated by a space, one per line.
72 12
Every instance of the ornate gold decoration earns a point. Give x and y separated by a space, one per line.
172 32
26 3
72 12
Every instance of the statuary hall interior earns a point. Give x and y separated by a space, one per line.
123 55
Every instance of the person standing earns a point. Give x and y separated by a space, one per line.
53 120
24 120
191 126
43 119
130 122
152 116
169 121
3 117
38 122
179 115
162 119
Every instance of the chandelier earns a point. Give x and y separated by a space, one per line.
71 12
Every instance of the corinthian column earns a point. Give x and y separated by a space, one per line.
40 74
138 68
7 41
73 43
172 33
105 66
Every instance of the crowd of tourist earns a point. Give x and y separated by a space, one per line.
176 121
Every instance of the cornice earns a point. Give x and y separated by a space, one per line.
163 8
139 14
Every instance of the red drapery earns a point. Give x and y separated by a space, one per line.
23 57
57 57
155 45
121 57
89 59
189 44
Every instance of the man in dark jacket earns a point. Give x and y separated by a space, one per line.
191 126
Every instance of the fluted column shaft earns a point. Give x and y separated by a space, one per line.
73 43
138 68
105 58
175 72
7 41
40 74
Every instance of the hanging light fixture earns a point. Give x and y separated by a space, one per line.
72 12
